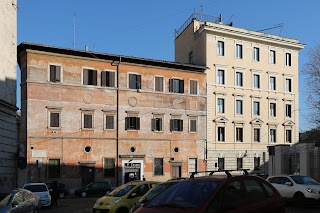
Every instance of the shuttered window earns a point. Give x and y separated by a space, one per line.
89 77
54 119
134 81
55 72
109 122
107 79
158 84
156 124
176 85
88 121
193 125
132 123
176 125
193 87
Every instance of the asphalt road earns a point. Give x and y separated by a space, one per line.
84 205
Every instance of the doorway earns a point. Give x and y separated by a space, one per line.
132 170
87 175
176 172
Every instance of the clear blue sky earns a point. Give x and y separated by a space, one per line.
145 28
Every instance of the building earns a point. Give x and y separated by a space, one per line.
71 101
8 119
252 89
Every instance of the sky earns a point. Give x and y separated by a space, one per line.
145 28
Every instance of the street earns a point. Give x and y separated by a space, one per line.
84 205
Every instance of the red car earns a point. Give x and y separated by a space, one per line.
211 194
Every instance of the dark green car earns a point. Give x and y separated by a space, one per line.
94 189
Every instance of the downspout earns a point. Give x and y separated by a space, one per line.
117 136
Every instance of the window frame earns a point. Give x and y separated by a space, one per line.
273 137
132 122
236 107
288 110
176 124
134 84
58 167
51 110
85 112
272 111
108 81
239 137
105 120
173 85
219 107
157 119
155 172
220 48
288 59
256 84
256 137
288 87
191 90
155 83
90 82
112 168
272 56
190 163
193 119
236 80
239 51
256 112
288 136
221 80
272 85
60 78
221 135
256 57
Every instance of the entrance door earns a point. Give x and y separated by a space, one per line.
87 175
176 172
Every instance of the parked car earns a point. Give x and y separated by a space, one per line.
236 194
94 189
63 189
20 201
152 193
41 190
123 198
296 188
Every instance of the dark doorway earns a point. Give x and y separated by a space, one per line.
176 172
87 175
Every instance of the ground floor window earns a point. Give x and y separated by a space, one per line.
158 166
54 168
109 167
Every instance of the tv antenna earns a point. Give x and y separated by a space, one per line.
273 27
200 7
74 30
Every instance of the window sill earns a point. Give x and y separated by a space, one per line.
55 128
132 130
87 129
157 131
109 129
193 132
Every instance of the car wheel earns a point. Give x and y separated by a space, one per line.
83 194
61 195
299 198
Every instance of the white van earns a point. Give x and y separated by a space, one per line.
41 190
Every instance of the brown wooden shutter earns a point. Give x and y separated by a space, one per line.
126 123
160 124
153 124
52 73
171 124
111 79
170 85
85 76
131 80
94 77
54 119
58 73
109 122
181 86
180 125
138 81
104 78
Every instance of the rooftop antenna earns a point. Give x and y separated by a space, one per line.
273 27
200 8
74 30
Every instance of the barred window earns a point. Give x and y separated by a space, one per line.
158 166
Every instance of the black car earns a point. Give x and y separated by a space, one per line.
20 201
63 189
94 189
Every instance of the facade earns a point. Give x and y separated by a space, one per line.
91 116
252 90
8 118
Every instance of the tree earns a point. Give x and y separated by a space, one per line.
312 71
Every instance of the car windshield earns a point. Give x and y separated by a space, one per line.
304 180
121 190
6 200
155 191
36 188
188 194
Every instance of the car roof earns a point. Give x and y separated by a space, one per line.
28 184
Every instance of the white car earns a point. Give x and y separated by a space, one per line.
41 190
296 187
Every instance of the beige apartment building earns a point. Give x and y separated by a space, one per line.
252 89
9 150
93 116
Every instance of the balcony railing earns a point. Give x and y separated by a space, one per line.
198 16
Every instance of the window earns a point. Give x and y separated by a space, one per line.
239 79
54 168
107 79
220 77
109 167
239 107
157 124
272 83
239 134
87 119
158 82
221 105
288 111
221 134
288 135
109 121
176 125
192 124
256 108
193 165
288 85
256 54
256 163
176 85
193 87
255 192
272 57
134 81
89 77
54 119
220 49
239 163
256 135
221 163
239 49
55 73
132 123
158 166
288 59
273 135
273 110
191 57
256 81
